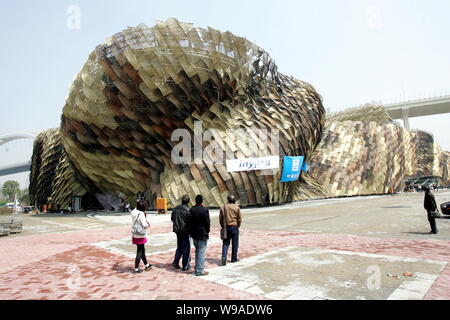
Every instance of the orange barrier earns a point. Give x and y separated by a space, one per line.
161 205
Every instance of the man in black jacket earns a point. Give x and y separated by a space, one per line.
429 204
180 218
199 226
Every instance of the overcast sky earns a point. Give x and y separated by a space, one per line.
352 52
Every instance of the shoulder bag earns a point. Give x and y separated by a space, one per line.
435 212
138 228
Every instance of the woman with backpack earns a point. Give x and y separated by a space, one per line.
139 225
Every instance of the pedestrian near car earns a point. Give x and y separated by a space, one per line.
429 204
180 219
230 219
199 227
139 228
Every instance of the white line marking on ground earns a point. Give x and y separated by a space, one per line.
233 277
414 289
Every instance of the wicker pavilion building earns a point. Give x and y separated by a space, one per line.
116 138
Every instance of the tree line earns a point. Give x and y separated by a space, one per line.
10 189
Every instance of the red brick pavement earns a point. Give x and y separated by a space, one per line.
40 266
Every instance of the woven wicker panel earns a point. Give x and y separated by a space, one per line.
51 174
143 83
445 164
366 112
363 152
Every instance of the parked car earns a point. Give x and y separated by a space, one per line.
16 208
445 208
28 209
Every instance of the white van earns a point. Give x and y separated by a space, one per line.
10 205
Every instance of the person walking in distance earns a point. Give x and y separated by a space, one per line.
139 234
429 204
230 219
199 227
180 218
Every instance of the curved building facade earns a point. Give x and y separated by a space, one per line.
364 152
144 83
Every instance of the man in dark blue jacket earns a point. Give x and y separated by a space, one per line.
180 218
199 226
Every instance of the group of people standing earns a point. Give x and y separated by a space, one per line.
192 223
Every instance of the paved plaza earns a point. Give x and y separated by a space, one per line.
351 248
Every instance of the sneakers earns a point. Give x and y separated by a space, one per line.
224 262
148 267
176 266
186 268
233 261
199 274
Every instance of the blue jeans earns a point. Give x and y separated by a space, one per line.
200 250
183 250
233 236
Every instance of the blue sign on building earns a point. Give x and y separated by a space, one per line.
305 167
292 167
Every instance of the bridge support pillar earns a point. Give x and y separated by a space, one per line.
405 113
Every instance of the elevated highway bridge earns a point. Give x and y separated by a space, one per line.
20 166
418 108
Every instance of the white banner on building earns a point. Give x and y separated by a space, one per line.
249 164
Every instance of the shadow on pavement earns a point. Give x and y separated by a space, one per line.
416 232
396 207
121 269
214 261
58 215
166 266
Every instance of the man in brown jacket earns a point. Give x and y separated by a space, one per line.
230 218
